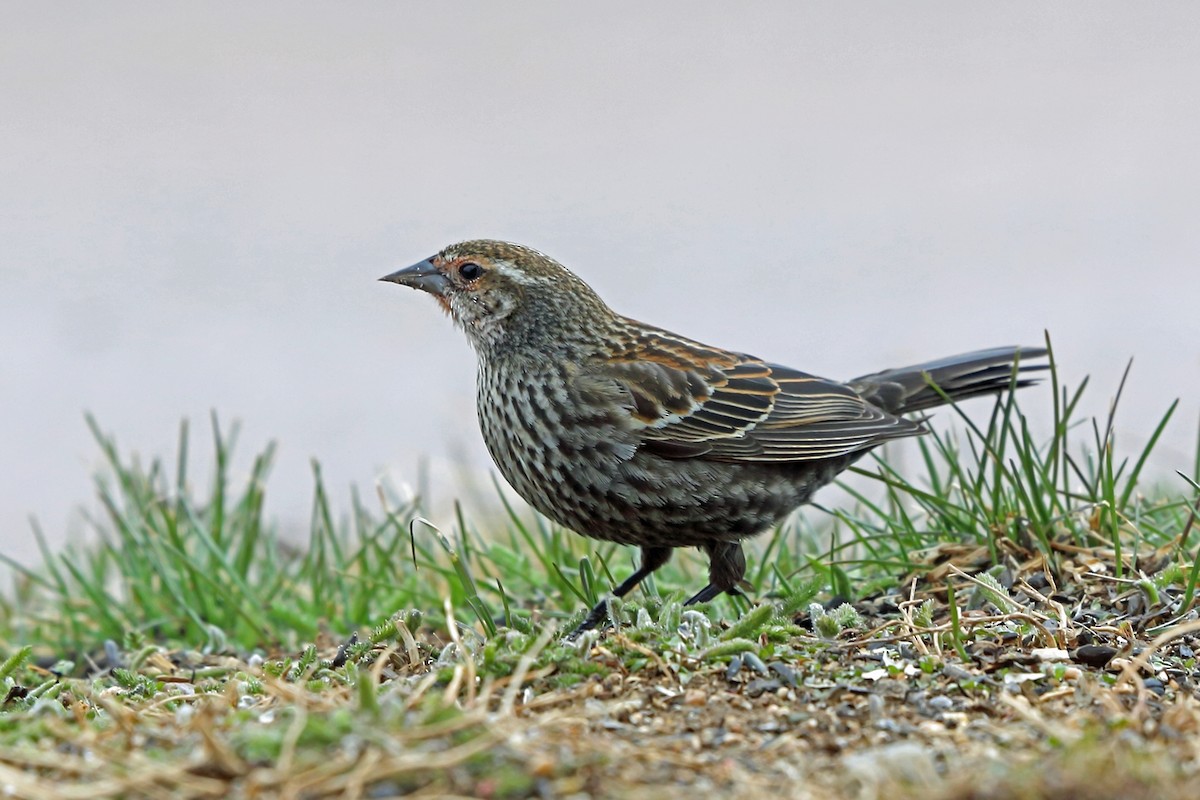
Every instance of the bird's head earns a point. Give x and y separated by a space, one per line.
499 292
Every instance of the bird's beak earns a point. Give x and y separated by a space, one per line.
423 275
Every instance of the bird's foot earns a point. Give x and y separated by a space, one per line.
598 615
710 592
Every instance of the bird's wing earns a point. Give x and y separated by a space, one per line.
686 400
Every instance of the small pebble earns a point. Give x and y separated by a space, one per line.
957 673
785 672
541 767
758 686
1094 655
755 663
1050 654
113 654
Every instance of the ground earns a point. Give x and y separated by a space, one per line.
1011 621
1031 689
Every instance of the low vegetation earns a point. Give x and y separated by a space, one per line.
1014 615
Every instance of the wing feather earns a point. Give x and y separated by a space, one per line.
687 400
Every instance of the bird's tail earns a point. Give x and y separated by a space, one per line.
900 391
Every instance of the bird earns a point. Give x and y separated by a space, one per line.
626 432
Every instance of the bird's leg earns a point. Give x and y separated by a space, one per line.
726 568
652 559
703 596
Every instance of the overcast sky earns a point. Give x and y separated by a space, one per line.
196 201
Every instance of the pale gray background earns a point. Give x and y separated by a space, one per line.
196 200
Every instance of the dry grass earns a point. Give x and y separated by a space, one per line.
886 708
1032 633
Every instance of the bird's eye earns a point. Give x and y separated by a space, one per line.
470 271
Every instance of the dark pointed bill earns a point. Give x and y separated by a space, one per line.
423 275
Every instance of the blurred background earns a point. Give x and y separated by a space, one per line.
196 201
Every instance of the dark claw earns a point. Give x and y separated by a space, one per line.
597 615
703 596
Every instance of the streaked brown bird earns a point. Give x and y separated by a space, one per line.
629 433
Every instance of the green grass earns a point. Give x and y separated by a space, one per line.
173 565
1006 483
191 625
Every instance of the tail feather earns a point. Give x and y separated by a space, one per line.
907 389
